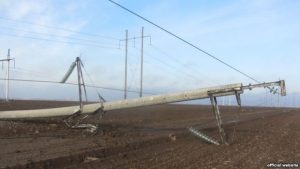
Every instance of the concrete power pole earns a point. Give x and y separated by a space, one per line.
7 77
126 53
142 62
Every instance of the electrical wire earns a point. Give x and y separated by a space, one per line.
69 83
191 76
25 73
58 36
30 72
90 79
58 28
166 64
185 41
177 61
58 41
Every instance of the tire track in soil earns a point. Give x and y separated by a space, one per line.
41 151
75 159
136 161
112 161
139 156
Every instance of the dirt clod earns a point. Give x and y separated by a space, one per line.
172 137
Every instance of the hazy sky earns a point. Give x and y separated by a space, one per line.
259 37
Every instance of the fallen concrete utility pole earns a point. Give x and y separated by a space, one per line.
202 93
211 92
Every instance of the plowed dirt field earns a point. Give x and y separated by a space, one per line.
152 137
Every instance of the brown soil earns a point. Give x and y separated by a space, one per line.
152 137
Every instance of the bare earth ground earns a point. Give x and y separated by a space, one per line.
140 138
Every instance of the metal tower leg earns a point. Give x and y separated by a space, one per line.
216 111
79 83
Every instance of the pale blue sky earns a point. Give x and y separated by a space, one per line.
260 37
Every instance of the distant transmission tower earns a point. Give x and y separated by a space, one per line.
126 61
8 59
142 62
127 39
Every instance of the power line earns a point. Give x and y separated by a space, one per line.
185 41
88 75
58 41
171 66
183 72
176 60
27 71
69 83
58 28
59 36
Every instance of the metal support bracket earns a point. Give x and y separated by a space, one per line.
238 98
90 127
216 112
213 99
